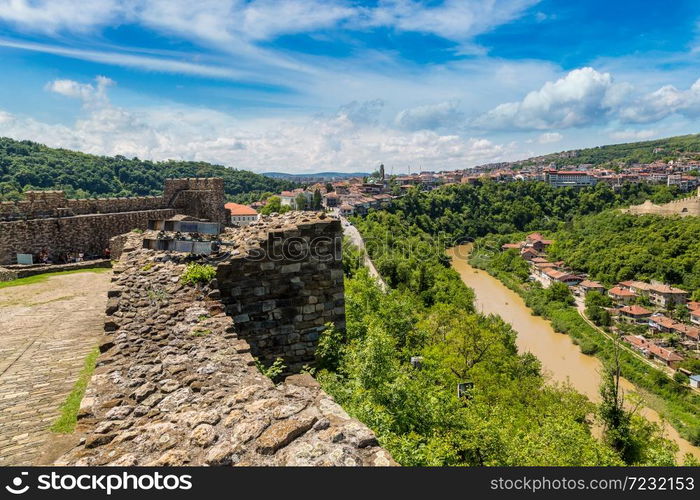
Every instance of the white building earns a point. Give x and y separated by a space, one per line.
241 215
569 178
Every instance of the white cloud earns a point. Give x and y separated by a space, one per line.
49 16
457 20
430 117
583 97
550 138
632 135
88 93
221 20
130 60
663 102
347 140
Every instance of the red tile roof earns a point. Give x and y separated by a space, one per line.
238 209
590 284
641 343
621 292
635 310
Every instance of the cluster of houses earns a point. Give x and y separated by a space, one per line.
671 173
349 197
626 297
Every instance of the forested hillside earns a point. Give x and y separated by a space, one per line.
613 247
28 165
470 211
670 148
510 416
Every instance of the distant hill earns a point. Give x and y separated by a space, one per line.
670 148
316 176
28 165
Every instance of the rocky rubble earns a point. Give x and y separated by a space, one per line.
175 385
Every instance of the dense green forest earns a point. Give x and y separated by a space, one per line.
470 211
28 165
670 148
510 416
612 247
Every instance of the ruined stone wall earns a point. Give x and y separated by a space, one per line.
285 285
176 385
202 198
89 234
54 203
47 219
683 207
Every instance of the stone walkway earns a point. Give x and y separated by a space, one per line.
46 330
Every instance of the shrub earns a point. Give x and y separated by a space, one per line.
274 370
197 273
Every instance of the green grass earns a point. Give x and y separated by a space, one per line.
65 423
39 278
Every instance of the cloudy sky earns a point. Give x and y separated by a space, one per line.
313 85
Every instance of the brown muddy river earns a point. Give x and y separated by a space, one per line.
561 359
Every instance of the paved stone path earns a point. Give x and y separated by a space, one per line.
46 330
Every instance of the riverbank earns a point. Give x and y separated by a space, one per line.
560 355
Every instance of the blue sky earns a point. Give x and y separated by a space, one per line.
311 85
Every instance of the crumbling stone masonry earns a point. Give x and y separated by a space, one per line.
48 220
175 384
284 285
684 207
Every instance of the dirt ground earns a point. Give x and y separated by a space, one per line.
46 331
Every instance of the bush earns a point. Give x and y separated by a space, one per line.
198 273
589 348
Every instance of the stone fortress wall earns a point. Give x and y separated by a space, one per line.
684 207
286 286
176 382
49 220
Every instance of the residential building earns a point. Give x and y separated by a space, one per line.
511 246
661 323
667 296
590 286
636 287
621 295
652 350
241 215
634 314
569 178
529 253
331 200
695 316
563 277
695 381
346 210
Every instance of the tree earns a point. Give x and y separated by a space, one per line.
616 419
273 205
300 201
329 187
681 312
559 292
317 200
